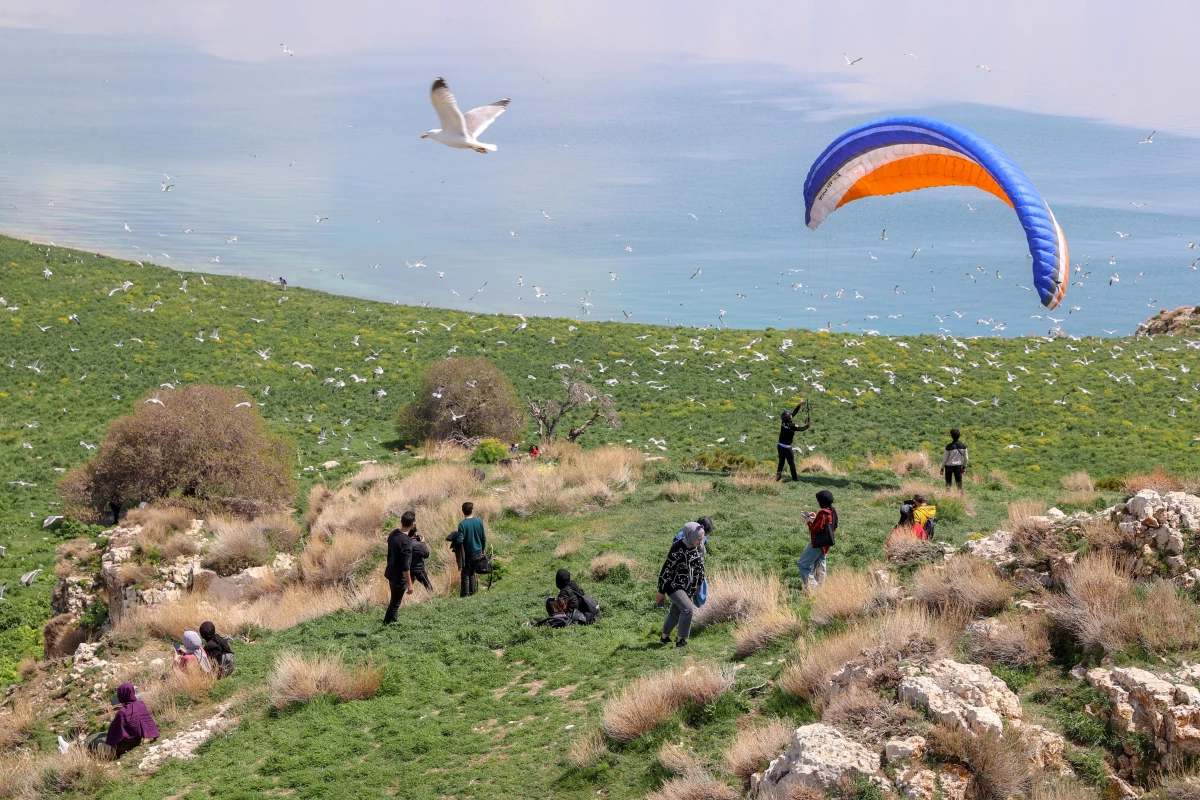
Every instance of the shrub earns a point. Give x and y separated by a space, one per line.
720 460
16 723
489 451
967 584
1159 480
845 594
1077 482
468 398
238 544
1110 484
999 767
863 710
587 749
761 630
603 565
196 443
676 758
738 593
657 472
695 785
298 679
647 701
753 749
1018 640
580 400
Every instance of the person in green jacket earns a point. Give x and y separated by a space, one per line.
473 540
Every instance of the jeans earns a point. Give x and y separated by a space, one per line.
398 589
682 609
422 578
468 584
956 473
812 560
788 456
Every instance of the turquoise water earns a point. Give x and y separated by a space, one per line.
618 156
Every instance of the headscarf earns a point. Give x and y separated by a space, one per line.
825 500
209 632
193 645
562 579
692 534
133 720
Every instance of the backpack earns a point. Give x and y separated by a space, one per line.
225 665
589 608
930 528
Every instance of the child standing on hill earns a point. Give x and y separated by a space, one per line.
954 459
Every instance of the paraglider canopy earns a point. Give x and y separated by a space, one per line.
902 154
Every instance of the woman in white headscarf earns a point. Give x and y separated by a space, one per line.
680 579
192 652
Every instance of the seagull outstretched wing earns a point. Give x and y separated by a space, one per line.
477 119
447 109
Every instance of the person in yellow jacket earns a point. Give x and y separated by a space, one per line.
924 514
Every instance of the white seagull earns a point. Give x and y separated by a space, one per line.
458 129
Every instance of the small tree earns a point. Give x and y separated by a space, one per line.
202 441
580 396
463 399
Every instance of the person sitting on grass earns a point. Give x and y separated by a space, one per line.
191 653
924 515
132 725
909 523
218 649
954 459
680 579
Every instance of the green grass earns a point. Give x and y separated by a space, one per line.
441 726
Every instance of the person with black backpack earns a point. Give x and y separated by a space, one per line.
954 459
218 649
420 552
575 606
821 529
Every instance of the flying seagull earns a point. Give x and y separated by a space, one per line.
458 129
850 63
1149 139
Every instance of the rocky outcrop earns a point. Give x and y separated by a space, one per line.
966 696
1164 710
819 758
184 744
996 547
1163 524
1185 319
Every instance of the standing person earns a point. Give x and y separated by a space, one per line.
218 649
679 580
399 565
821 527
787 431
420 552
474 540
954 459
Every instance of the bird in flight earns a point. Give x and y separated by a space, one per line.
458 129
320 219
983 66
1149 139
850 63
1122 235
883 236
166 187
915 251
287 50
127 228
1136 205
694 274
914 55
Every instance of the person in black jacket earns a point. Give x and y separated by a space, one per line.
420 552
399 565
568 590
954 459
787 431
219 652
680 579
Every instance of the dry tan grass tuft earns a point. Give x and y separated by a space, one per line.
369 475
443 450
905 492
318 496
157 522
807 674
818 464
16 723
1101 535
1081 499
905 548
695 785
685 491
677 759
281 531
761 630
177 545
752 481
337 562
1053 787
1017 640
754 748
1159 480
569 546
181 687
299 679
845 594
1001 477
133 573
603 564
238 544
912 462
647 701
866 711
27 667
738 593
1077 482
999 766
75 772
965 585
587 749
1176 787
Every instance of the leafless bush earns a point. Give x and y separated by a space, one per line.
866 712
1159 480
755 747
1014 640
483 400
237 544
587 749
845 594
298 679
194 442
966 585
647 701
579 401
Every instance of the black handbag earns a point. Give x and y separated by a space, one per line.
824 538
483 564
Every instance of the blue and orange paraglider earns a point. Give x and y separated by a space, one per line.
902 154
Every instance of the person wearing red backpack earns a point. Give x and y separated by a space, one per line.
821 528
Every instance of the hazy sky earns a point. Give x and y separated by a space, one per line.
1130 64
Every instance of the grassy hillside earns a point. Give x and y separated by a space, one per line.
462 711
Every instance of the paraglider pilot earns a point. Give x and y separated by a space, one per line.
787 431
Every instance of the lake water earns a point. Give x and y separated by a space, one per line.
603 159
